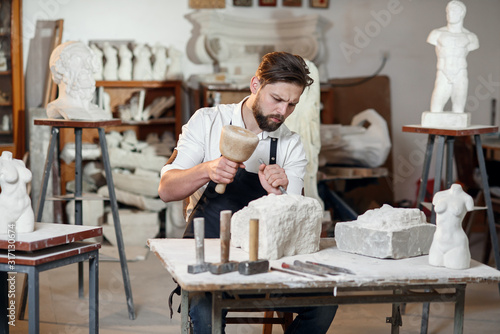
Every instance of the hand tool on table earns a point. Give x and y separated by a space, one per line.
236 144
287 272
283 191
254 265
316 268
333 268
301 269
199 238
224 266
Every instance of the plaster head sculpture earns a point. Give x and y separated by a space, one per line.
125 68
15 203
110 71
453 43
73 65
450 245
143 69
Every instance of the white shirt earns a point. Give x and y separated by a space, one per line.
199 142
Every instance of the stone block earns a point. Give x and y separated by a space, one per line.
446 120
137 227
288 225
387 232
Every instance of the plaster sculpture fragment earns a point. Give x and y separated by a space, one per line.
142 65
15 203
100 59
73 65
160 63
111 66
125 68
288 225
450 245
174 70
453 43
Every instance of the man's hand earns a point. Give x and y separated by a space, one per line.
271 177
223 170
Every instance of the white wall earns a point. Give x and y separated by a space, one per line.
399 27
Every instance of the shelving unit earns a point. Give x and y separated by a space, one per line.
11 80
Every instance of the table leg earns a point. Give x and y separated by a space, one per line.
33 295
438 171
450 143
458 327
396 320
116 221
424 325
78 195
487 200
425 171
216 312
94 293
184 312
4 302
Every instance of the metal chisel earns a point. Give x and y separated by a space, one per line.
335 269
301 269
316 268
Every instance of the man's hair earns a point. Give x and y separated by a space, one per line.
283 67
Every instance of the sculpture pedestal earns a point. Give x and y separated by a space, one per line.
445 120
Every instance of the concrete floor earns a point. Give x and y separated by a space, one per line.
62 312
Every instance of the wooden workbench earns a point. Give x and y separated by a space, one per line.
394 277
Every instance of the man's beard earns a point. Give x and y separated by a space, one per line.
264 122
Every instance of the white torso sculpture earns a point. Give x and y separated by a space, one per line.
73 65
161 62
125 68
142 65
110 71
453 43
450 245
15 204
99 58
174 70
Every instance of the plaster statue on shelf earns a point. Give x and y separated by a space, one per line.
142 65
174 70
15 203
73 65
99 57
3 61
125 68
453 43
160 63
111 66
450 245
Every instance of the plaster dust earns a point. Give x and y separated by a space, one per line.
386 232
288 225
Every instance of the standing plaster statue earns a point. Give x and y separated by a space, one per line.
142 65
125 68
160 63
15 203
453 43
111 66
450 245
99 58
73 65
174 70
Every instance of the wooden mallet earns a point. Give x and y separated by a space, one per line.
236 144
224 266
254 266
199 238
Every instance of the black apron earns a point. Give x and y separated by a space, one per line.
245 188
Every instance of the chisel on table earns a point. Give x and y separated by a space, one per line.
333 268
283 191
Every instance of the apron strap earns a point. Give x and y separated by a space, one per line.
272 152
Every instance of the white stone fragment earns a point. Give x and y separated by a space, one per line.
137 227
137 184
139 201
288 225
386 232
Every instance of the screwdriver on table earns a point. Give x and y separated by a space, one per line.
283 191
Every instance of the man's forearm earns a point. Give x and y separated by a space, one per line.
177 184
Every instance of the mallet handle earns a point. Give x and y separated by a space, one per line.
225 234
220 188
253 247
199 237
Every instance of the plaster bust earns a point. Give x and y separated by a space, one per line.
453 43
15 204
73 65
450 245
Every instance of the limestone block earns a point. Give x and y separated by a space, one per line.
137 183
137 227
288 225
446 119
386 232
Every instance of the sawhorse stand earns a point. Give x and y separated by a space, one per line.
446 137
78 126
